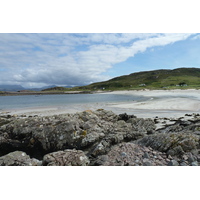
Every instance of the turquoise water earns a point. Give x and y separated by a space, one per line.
31 101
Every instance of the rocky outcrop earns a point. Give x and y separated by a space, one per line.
99 138
87 131
129 154
66 158
18 158
126 117
174 144
189 123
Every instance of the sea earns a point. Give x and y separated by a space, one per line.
31 101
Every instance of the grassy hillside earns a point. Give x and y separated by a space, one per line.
54 89
184 78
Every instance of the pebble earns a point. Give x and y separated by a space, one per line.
146 155
198 158
159 157
123 154
183 164
170 157
191 159
173 163
195 163
147 162
155 153
185 157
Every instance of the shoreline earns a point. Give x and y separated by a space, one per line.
161 103
50 93
99 138
142 91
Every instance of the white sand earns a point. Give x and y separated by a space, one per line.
161 103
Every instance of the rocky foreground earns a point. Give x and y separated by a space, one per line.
99 138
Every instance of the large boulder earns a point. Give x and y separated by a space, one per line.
18 158
121 131
130 154
4 120
175 144
86 131
66 158
188 123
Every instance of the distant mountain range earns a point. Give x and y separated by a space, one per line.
15 88
11 88
42 88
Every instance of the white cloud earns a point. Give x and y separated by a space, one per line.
110 38
70 59
196 37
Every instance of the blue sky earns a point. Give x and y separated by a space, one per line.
36 60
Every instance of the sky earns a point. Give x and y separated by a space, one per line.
41 59
36 60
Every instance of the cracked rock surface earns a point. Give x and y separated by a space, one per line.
66 158
99 138
18 158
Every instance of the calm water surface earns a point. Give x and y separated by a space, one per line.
30 101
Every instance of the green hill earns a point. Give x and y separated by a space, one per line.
184 78
54 89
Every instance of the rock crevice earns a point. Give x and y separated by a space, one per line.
99 138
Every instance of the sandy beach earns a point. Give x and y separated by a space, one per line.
161 103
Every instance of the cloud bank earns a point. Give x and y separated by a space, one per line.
34 60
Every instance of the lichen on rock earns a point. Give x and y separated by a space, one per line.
99 138
66 158
18 158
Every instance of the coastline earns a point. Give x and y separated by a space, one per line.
163 130
42 93
161 103
50 93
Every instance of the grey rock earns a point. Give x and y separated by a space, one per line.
57 132
101 148
101 160
4 121
185 157
195 163
18 158
147 126
174 144
98 133
146 155
126 117
173 163
146 162
82 130
125 154
185 123
176 151
66 158
183 164
191 158
198 158
170 157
